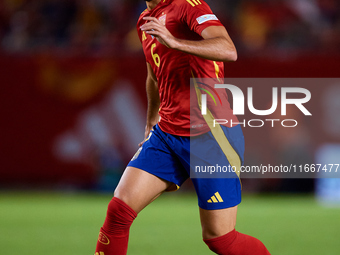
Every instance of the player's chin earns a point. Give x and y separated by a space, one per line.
147 0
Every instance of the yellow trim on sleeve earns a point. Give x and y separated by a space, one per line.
192 4
217 70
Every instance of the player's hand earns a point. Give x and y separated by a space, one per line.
150 123
157 29
148 129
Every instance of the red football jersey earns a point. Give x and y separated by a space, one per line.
185 19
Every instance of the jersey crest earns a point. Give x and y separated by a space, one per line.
162 19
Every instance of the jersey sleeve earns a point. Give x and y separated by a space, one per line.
198 15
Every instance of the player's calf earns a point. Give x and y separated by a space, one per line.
114 235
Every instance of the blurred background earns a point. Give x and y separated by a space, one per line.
73 102
73 95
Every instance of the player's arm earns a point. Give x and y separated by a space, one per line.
152 93
216 44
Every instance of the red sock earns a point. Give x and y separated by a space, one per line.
114 235
236 243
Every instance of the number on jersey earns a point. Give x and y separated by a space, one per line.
155 56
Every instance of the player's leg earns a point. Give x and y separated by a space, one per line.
218 230
138 188
216 223
135 190
218 199
219 192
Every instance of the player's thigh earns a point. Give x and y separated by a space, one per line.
138 188
217 223
218 200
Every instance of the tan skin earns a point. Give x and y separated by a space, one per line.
138 188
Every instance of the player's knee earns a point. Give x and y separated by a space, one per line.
234 243
119 214
221 244
123 195
210 231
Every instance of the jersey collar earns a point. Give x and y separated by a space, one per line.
159 5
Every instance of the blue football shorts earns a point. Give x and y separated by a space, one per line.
173 158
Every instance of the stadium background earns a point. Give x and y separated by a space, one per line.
73 105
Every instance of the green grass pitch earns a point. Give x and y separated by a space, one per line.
68 224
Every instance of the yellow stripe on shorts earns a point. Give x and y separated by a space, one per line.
222 140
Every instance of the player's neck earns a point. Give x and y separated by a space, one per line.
152 4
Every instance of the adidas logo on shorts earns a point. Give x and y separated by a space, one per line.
216 198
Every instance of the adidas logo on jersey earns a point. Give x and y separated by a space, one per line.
216 198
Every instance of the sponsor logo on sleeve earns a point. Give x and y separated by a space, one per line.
205 18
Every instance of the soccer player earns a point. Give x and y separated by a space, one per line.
181 39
